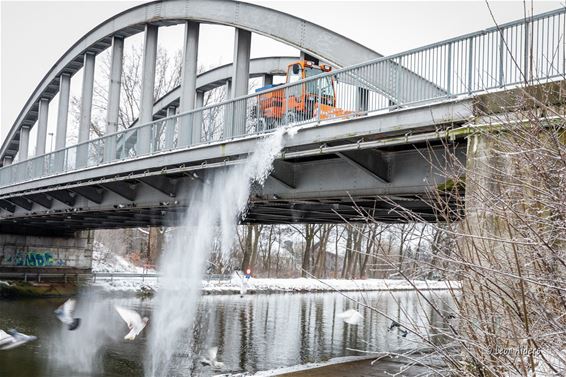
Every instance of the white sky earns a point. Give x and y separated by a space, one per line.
34 34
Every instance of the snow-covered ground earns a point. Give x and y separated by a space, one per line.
301 367
314 285
106 261
234 285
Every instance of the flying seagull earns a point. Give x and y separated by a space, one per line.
12 339
134 321
351 317
400 329
65 314
211 360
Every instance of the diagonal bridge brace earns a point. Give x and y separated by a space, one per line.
370 161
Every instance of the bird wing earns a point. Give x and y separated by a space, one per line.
4 334
132 318
69 307
64 311
354 319
5 338
13 333
212 352
351 316
17 336
347 314
16 339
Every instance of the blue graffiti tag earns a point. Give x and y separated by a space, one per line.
35 259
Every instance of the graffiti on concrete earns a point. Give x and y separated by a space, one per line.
32 259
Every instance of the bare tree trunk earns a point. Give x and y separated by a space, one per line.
358 236
270 240
247 249
370 246
320 262
336 250
347 252
256 234
154 243
309 236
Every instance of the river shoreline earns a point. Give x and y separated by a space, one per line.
274 286
146 287
412 362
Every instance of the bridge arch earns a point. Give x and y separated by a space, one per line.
296 32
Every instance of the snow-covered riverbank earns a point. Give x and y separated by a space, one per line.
234 285
301 367
105 261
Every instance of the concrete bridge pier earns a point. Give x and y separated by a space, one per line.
45 254
512 236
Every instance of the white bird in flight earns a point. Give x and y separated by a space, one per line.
134 321
12 339
65 314
351 317
211 360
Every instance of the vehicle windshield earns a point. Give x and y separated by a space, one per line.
312 71
326 88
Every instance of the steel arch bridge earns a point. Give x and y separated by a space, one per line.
398 115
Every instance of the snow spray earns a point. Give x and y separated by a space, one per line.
214 210
80 350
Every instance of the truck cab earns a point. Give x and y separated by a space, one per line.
315 98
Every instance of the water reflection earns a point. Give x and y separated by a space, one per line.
281 330
254 332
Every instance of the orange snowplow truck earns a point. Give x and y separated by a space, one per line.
301 102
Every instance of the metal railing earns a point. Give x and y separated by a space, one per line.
526 51
94 276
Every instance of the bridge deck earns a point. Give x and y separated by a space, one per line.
325 173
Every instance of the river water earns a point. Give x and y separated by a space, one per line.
252 333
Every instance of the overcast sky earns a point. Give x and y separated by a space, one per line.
34 34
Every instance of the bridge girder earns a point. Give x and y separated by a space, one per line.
311 180
327 190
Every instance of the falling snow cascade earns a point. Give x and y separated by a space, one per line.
215 205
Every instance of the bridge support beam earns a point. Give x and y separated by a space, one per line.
267 80
46 254
63 111
86 108
62 118
197 127
170 128
227 111
113 107
284 173
42 127
23 152
148 84
189 83
240 81
307 56
508 225
370 161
